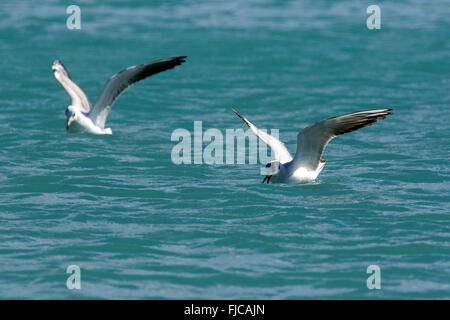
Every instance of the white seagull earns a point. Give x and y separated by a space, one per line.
311 142
81 116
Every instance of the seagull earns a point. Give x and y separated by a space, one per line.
81 116
311 142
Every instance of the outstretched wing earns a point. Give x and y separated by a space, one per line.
278 148
79 98
312 140
122 80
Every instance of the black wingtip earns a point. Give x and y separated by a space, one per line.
173 61
387 112
237 113
180 59
240 116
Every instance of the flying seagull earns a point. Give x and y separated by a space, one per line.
311 142
81 116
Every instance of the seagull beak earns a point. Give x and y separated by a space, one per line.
69 122
267 178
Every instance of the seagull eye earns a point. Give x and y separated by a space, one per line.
268 165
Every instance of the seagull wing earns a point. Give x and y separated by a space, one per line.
278 148
312 140
79 98
124 79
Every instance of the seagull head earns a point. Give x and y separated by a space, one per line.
271 169
71 115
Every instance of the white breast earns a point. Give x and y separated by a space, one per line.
83 123
299 175
303 174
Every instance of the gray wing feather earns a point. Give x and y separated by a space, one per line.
312 140
124 79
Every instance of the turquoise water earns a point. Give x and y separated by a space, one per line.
140 226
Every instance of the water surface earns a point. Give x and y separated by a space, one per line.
142 227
